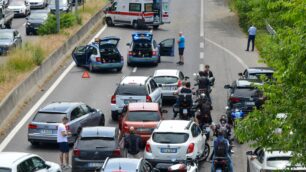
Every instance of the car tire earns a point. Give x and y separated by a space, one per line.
28 32
109 21
33 143
114 116
155 27
248 166
119 69
102 121
129 64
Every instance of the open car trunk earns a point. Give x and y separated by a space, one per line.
108 50
142 49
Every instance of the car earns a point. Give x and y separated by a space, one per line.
36 4
9 38
93 146
256 72
170 80
64 6
127 165
102 54
25 162
43 127
143 116
144 49
20 8
134 89
173 141
264 160
34 21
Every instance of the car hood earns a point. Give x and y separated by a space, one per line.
36 21
52 7
5 43
35 1
13 7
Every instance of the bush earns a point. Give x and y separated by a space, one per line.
66 20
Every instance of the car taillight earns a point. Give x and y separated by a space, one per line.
117 153
190 148
130 53
67 127
76 152
113 101
234 99
32 126
179 83
98 59
154 53
148 148
125 127
148 99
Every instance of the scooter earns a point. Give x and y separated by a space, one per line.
185 109
190 165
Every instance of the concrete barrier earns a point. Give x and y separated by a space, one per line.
37 77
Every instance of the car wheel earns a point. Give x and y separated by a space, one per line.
155 27
91 68
119 69
159 59
102 121
135 24
27 32
248 166
109 21
34 143
129 64
114 116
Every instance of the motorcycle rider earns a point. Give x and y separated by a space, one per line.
207 72
221 150
183 90
225 126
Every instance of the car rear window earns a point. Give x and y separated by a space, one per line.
165 79
258 75
49 117
131 90
170 137
143 116
120 166
5 170
94 142
245 92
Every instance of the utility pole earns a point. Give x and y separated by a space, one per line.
57 13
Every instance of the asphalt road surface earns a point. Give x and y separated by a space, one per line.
212 37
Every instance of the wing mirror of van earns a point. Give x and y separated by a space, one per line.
128 44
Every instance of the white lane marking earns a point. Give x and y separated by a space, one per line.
201 67
201 44
202 19
134 69
201 55
15 130
229 52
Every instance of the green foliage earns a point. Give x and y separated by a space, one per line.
66 20
286 53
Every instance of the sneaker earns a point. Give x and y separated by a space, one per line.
246 50
182 63
67 166
179 62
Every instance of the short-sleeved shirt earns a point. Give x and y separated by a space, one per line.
181 42
60 137
252 30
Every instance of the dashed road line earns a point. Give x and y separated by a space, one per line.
201 55
201 44
134 69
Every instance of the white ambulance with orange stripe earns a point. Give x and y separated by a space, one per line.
138 13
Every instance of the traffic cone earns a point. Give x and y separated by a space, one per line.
85 74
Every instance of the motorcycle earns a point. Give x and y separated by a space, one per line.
204 87
190 165
234 113
185 109
221 164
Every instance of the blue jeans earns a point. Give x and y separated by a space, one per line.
229 164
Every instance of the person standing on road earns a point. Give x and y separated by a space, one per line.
181 48
62 140
132 143
252 33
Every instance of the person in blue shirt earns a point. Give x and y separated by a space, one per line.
252 33
181 47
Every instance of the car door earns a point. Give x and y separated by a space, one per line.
165 11
25 165
257 163
166 47
198 139
77 119
92 118
79 55
155 91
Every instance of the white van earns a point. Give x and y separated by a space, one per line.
138 13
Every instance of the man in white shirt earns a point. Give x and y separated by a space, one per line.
62 140
252 33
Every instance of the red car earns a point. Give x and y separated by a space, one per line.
144 117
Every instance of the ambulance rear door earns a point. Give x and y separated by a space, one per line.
165 11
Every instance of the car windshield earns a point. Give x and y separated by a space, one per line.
166 79
49 117
131 90
38 16
17 3
61 3
5 169
6 35
144 116
258 75
170 137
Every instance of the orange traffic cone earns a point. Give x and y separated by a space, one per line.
85 74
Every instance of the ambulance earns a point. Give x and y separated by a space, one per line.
137 13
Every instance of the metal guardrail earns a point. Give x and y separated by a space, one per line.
270 28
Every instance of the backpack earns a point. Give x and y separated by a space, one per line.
203 83
221 148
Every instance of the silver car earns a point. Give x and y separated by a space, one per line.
169 80
43 127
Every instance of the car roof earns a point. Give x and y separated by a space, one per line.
143 106
247 82
9 158
98 131
277 153
7 30
142 35
260 70
131 80
166 72
60 107
172 126
123 164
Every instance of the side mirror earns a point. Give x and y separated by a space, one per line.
94 110
128 44
27 18
240 74
227 86
160 85
249 153
186 77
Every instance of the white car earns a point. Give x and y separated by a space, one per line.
261 160
173 141
134 89
170 80
25 162
20 8
38 3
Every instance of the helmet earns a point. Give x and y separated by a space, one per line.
220 130
203 96
223 119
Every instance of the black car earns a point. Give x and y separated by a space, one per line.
9 38
256 72
127 165
93 146
245 93
34 21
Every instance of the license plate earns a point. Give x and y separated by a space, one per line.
168 150
185 111
46 131
250 103
144 129
95 164
218 170
129 101
169 88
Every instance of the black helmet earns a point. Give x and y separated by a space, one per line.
223 119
